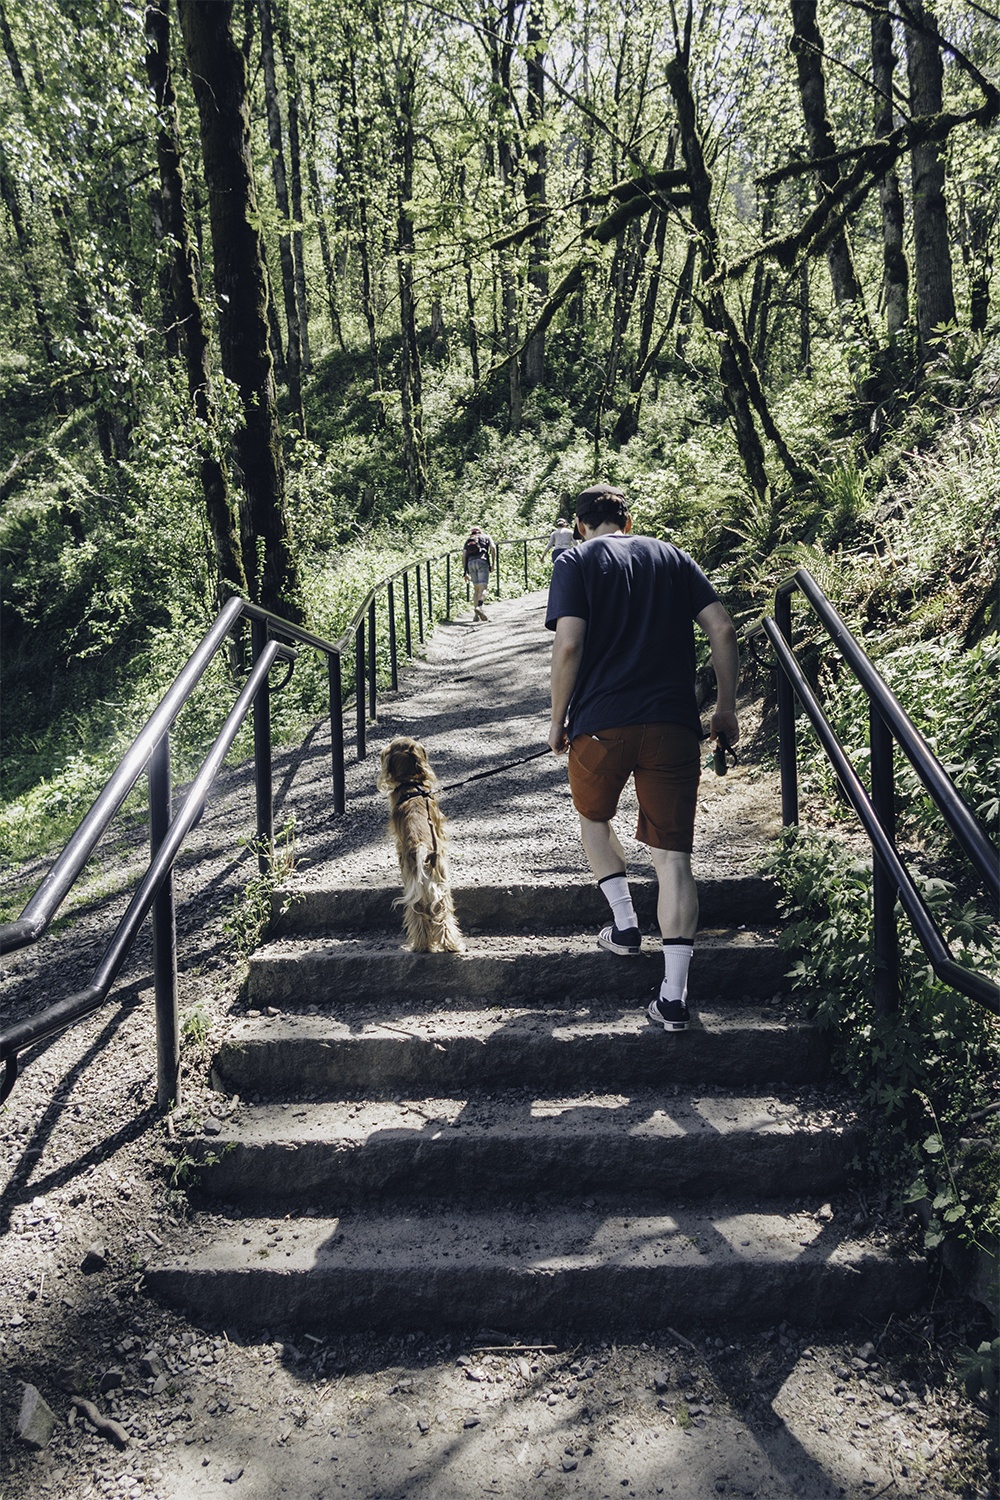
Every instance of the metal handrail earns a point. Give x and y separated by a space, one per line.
889 725
149 752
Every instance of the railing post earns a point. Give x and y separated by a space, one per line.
262 755
447 585
393 663
406 612
420 605
786 720
886 934
359 688
496 571
337 733
372 664
168 1044
526 565
430 599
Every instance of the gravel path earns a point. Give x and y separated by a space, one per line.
89 1191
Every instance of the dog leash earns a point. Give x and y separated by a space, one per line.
495 770
723 748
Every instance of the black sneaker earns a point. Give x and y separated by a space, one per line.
627 943
672 1015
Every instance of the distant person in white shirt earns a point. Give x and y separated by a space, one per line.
560 539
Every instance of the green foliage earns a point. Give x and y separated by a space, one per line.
944 690
979 1370
251 909
196 1026
937 1056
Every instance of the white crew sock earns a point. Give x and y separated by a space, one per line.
619 898
676 962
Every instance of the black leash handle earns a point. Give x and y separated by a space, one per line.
722 749
494 770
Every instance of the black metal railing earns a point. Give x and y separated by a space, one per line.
889 726
272 639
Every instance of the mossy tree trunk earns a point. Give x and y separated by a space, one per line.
186 306
275 137
895 271
931 255
218 73
807 45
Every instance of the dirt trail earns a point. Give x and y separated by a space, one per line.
88 1193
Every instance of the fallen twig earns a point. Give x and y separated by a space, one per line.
681 1339
113 1431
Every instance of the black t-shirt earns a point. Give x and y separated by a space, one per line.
639 597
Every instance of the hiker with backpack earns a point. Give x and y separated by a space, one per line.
623 609
478 558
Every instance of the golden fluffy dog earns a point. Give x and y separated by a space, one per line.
418 826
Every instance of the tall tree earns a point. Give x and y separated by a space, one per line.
535 187
184 279
931 251
275 136
895 271
218 74
807 45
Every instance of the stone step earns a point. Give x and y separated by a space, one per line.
372 1051
488 1147
574 904
503 970
588 1270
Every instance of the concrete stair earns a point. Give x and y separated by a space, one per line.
500 1139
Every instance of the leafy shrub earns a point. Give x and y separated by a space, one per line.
934 1060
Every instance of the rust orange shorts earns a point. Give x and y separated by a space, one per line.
665 760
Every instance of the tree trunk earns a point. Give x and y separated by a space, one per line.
319 214
501 51
230 576
411 383
805 322
358 183
931 255
293 348
895 271
295 115
807 44
535 195
218 74
748 441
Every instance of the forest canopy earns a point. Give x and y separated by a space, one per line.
288 288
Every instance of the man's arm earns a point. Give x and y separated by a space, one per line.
567 651
715 622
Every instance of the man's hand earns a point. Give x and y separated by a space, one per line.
557 739
725 724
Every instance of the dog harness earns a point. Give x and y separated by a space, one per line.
415 790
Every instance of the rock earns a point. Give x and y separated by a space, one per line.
232 1476
471 1422
569 1464
35 1420
95 1259
151 1365
867 1351
661 1381
110 1381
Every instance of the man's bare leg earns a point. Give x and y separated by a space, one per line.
606 858
605 854
677 903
